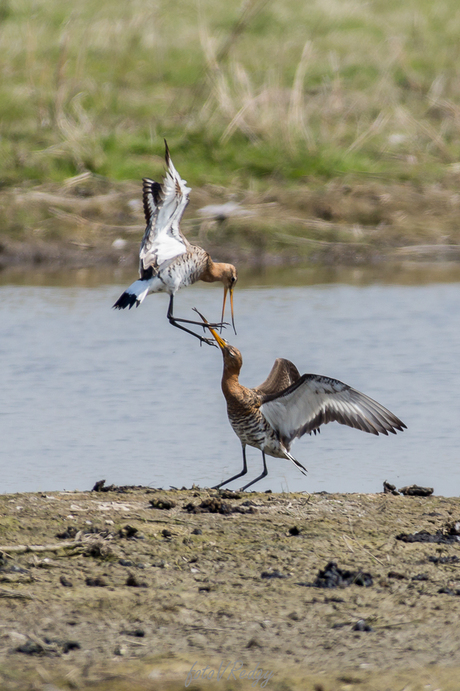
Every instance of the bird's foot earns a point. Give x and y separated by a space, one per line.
205 324
208 341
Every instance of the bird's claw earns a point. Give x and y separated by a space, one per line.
208 341
206 324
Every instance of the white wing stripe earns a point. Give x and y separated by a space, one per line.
316 400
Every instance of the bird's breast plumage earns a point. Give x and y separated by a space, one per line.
184 269
250 425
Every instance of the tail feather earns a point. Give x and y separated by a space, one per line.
296 462
133 295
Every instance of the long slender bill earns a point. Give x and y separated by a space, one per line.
219 340
228 290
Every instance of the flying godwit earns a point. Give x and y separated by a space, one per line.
167 261
288 405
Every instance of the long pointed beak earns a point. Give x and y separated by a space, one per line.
220 341
230 290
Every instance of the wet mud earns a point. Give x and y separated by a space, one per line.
129 588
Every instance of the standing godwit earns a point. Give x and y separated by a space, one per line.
167 261
288 405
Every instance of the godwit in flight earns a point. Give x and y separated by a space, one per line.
288 405
167 261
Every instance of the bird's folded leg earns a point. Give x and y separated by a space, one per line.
175 322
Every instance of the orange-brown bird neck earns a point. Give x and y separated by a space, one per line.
226 273
236 395
216 271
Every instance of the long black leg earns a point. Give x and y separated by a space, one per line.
174 322
243 472
190 321
264 473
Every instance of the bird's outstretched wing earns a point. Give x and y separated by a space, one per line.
314 400
164 206
283 374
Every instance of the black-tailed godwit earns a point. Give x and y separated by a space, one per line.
167 261
288 405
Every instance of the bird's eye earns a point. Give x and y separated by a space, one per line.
233 279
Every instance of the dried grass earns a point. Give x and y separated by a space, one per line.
264 98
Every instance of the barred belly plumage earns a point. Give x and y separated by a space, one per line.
253 429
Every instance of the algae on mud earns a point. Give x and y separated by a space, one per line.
130 596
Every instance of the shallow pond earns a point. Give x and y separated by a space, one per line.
90 393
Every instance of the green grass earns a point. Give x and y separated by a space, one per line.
256 93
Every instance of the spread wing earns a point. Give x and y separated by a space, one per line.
164 206
283 374
314 400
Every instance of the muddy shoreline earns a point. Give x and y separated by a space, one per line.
128 588
89 221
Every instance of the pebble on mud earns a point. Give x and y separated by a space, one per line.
129 532
361 625
137 633
134 583
70 645
272 574
68 534
65 582
97 582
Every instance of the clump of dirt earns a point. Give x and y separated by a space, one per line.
334 577
449 534
416 491
162 504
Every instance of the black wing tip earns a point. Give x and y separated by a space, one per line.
396 426
126 300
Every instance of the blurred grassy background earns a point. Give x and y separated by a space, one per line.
252 96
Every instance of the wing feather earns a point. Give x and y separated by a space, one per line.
164 206
314 400
283 374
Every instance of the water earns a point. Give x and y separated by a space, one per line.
90 393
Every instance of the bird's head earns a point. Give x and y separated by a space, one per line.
233 360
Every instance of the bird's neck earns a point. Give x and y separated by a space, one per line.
212 272
237 394
231 387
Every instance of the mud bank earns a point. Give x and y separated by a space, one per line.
129 588
89 221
